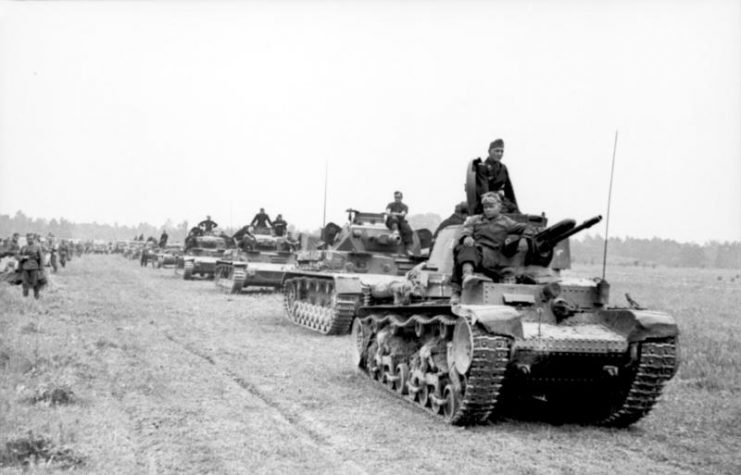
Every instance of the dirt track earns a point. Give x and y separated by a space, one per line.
174 376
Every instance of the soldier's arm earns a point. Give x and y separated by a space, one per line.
468 224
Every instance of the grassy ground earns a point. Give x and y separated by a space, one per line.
120 369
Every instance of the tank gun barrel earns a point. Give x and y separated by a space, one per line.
547 241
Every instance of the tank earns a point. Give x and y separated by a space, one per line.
324 290
262 263
200 256
533 342
167 256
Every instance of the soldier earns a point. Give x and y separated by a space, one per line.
458 217
492 175
481 242
261 219
53 250
280 226
207 225
163 239
31 260
396 221
63 253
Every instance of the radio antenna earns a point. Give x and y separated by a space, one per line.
609 200
324 215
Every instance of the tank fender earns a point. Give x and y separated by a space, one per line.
497 319
639 325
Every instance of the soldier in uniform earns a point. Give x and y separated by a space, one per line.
53 250
261 220
492 175
31 261
163 239
207 225
280 226
396 221
458 217
481 242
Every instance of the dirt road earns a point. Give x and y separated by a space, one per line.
174 376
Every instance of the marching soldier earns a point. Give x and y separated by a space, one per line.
31 260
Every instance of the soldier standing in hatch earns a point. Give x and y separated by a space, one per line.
31 260
397 220
207 225
163 239
261 220
492 175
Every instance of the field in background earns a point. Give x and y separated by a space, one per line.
121 369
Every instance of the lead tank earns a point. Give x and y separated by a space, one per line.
324 290
534 339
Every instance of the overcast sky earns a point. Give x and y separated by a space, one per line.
136 112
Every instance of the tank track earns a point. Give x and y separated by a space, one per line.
657 364
479 387
325 312
233 283
188 270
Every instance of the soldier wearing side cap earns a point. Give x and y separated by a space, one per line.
481 241
492 176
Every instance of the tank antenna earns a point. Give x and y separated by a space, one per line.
324 215
609 200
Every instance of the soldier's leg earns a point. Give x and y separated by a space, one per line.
25 281
34 282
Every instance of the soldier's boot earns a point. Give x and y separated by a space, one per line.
36 293
467 274
25 291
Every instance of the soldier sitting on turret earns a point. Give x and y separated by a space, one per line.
396 220
280 225
481 242
492 176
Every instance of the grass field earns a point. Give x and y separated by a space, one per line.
120 369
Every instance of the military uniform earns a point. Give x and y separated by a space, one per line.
489 235
280 225
261 220
31 266
492 175
400 222
207 225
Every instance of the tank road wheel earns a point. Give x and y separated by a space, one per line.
423 395
188 271
436 399
402 371
452 401
238 277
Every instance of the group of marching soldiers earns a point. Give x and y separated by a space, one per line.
30 259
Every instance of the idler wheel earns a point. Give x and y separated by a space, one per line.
402 371
462 346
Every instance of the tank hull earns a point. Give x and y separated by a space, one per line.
471 363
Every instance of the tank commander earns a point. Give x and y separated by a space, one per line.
31 264
261 220
207 225
280 226
492 176
458 217
481 242
396 221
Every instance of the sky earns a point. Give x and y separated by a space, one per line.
130 112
